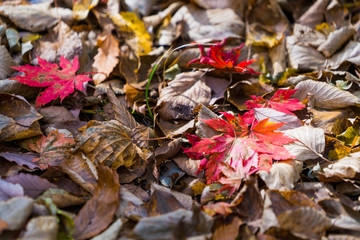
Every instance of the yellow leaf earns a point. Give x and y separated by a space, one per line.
81 8
129 21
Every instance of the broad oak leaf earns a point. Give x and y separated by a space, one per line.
239 150
218 58
59 82
53 149
281 102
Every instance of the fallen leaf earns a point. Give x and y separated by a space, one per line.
315 14
6 63
59 83
180 223
98 212
42 227
53 149
21 159
107 143
291 121
56 114
61 198
184 94
81 170
32 17
335 40
345 168
33 185
295 212
111 232
310 143
81 8
19 118
325 95
106 58
350 53
9 190
129 20
16 211
282 175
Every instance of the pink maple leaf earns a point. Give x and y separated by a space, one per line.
58 82
281 102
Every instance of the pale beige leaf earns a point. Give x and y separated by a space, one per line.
202 129
347 167
273 115
315 14
111 233
350 53
184 94
282 175
81 8
310 142
335 40
326 96
41 228
106 58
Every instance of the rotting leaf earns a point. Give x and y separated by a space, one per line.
107 143
98 212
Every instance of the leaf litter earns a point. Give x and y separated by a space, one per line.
179 120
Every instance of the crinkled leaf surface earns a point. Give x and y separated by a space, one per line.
107 143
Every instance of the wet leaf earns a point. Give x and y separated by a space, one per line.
98 212
107 143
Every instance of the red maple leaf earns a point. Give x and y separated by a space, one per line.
218 58
53 149
239 150
281 102
59 82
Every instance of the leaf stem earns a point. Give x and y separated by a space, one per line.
147 90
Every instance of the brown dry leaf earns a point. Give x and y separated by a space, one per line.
266 23
98 212
188 165
19 119
61 41
61 198
56 114
315 14
6 62
295 212
107 143
122 114
181 223
227 231
184 94
130 206
332 122
42 227
106 58
167 149
81 170
111 232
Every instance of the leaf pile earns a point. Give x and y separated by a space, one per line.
196 119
